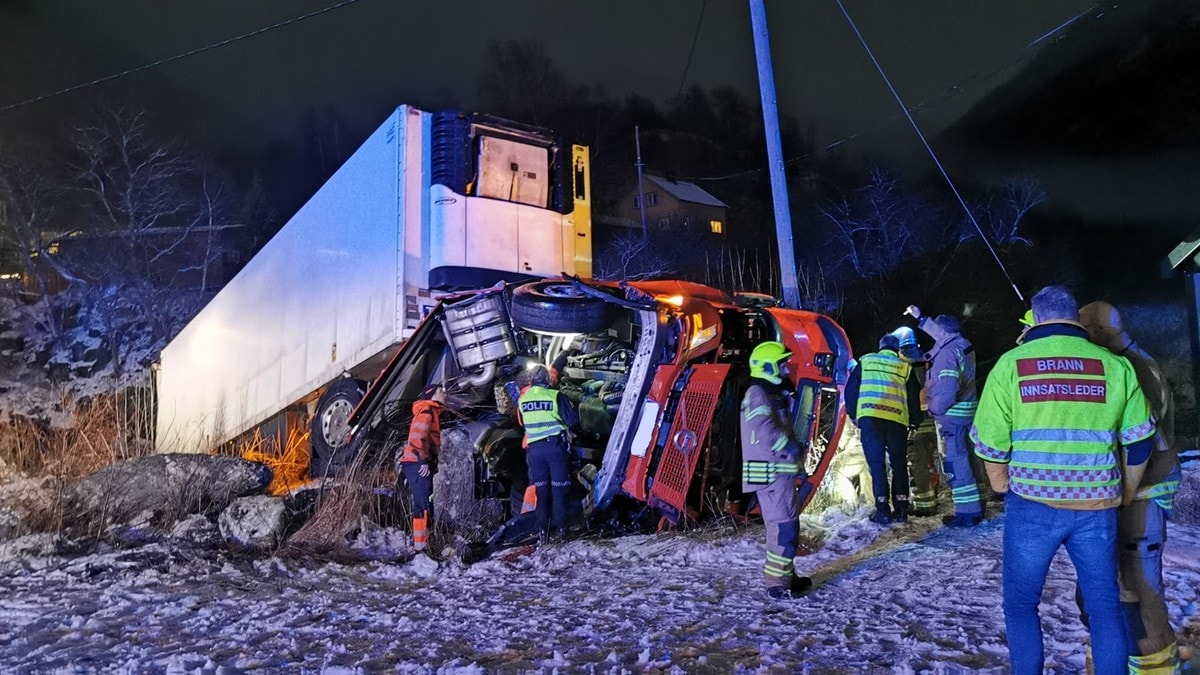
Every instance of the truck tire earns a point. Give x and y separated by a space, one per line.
559 307
329 424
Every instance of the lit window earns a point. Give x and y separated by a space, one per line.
715 226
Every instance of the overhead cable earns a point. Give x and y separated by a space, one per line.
929 149
170 59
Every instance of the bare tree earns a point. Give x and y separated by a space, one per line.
629 256
26 211
151 213
875 226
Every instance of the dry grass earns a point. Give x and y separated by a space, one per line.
340 509
289 466
97 431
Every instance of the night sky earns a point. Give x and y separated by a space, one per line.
367 56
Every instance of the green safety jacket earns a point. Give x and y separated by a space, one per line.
769 451
539 414
1055 409
882 391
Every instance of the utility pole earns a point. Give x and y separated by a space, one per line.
783 217
637 143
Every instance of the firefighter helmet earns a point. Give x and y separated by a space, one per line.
765 360
1027 317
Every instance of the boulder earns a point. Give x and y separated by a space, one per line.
256 523
1187 501
263 522
172 485
456 505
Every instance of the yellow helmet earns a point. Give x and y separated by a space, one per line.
765 359
1027 319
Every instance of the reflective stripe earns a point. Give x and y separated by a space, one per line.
948 373
1064 435
1162 662
777 566
1163 492
779 444
758 472
1137 433
758 411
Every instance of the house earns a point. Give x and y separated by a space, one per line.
671 204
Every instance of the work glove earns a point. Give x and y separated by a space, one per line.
913 311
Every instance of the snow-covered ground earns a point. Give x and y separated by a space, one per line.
911 598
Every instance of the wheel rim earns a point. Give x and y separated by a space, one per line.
561 291
335 422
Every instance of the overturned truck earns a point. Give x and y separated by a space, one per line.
655 368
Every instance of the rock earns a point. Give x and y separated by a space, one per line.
455 504
173 486
197 529
1187 500
256 523
263 522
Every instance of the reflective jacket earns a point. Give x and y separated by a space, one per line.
538 410
883 388
950 380
1055 410
424 433
768 449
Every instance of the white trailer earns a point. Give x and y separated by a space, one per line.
430 202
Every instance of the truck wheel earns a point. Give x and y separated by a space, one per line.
559 307
329 425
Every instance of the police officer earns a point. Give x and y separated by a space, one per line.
1052 420
547 416
771 466
1141 524
950 388
883 399
424 440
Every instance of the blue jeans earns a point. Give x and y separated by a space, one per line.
1033 533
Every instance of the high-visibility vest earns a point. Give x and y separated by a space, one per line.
1055 409
538 410
882 393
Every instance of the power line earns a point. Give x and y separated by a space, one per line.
929 149
159 62
958 88
695 38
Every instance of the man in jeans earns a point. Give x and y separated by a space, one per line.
1060 421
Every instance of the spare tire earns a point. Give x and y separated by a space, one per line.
559 307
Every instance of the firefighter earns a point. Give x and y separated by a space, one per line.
1141 524
950 388
1052 421
547 417
883 399
420 450
922 449
771 466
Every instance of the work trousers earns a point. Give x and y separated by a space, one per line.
922 466
1141 534
1033 533
421 488
780 505
885 443
957 466
550 474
